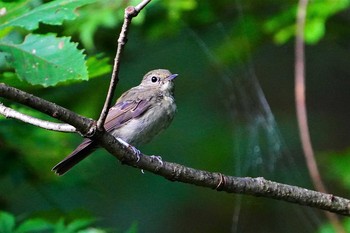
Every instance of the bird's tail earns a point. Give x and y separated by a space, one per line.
80 153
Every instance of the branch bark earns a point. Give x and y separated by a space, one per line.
175 172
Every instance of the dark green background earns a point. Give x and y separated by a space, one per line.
219 124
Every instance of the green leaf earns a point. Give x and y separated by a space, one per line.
338 167
318 12
59 226
92 230
133 228
46 60
177 7
329 228
34 225
98 66
10 78
314 30
283 35
79 224
104 14
7 222
53 13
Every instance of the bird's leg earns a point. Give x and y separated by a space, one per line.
136 151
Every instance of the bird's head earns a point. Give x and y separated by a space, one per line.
161 79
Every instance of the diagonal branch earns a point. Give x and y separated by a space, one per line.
175 172
130 13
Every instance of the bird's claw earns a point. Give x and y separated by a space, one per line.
158 158
134 150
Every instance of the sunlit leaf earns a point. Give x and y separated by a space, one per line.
105 14
46 60
177 7
98 66
132 229
329 228
314 30
34 225
78 224
282 26
10 78
59 226
53 13
7 222
338 167
283 35
92 230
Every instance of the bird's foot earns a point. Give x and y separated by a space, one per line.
134 150
158 158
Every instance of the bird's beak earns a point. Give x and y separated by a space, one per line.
173 76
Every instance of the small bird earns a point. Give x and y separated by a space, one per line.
138 115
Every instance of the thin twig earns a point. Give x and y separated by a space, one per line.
86 126
10 113
141 5
302 112
175 172
130 13
300 98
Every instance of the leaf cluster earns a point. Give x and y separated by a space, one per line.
43 59
10 224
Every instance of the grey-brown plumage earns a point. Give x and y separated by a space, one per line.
138 115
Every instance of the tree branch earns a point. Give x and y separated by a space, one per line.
175 172
130 13
10 113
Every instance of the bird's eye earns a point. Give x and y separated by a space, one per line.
154 79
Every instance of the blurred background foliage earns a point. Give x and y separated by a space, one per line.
235 115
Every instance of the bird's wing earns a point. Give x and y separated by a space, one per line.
124 111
